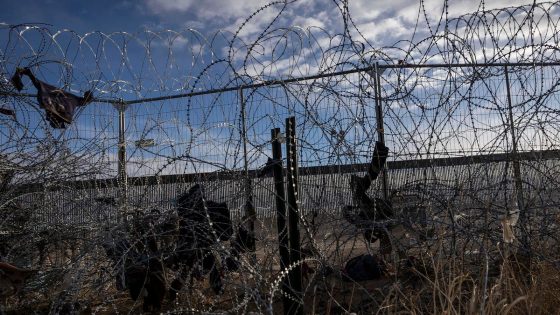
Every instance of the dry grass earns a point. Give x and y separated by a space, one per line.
438 283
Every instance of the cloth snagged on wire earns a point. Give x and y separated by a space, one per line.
59 105
7 112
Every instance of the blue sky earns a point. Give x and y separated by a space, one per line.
376 19
380 23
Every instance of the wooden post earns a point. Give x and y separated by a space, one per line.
293 212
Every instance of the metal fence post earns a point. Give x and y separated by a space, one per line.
293 213
283 242
516 167
249 206
122 178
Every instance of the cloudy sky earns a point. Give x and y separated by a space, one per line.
381 23
375 19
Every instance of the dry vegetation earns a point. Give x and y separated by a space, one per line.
500 280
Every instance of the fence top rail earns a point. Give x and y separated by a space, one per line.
275 82
310 170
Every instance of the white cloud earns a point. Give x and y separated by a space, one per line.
378 31
390 21
163 6
307 22
250 17
205 10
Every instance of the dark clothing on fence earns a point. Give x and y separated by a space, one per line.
200 217
362 184
59 105
8 112
266 170
370 210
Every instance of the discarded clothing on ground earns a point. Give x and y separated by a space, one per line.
59 105
364 267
